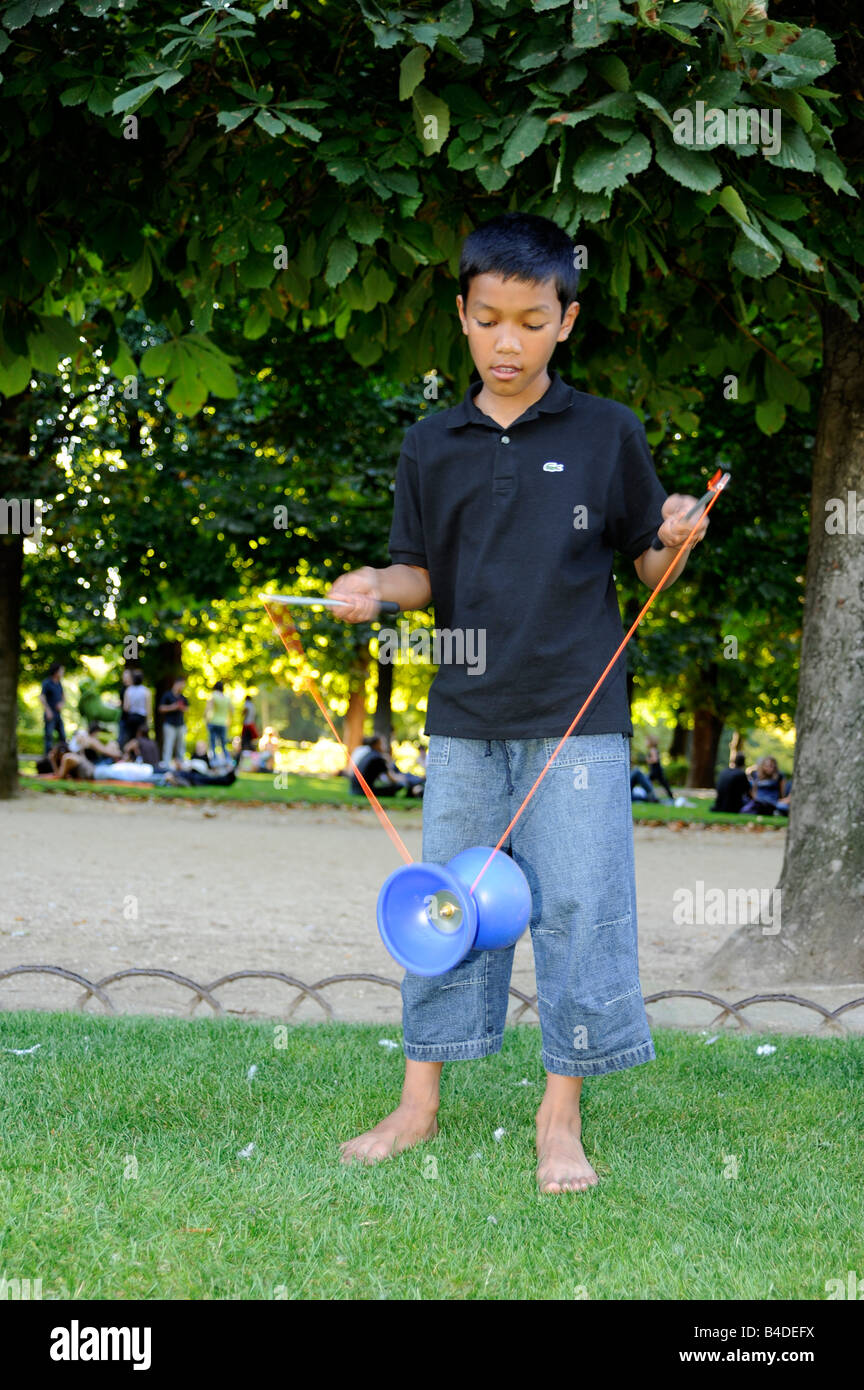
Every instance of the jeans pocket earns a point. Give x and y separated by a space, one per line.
438 752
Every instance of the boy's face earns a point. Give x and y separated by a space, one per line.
512 328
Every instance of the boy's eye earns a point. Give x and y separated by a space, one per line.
534 327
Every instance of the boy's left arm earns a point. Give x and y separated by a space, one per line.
674 530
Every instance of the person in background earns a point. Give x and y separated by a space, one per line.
125 730
413 784
767 788
51 698
61 762
136 707
217 716
249 733
733 787
655 767
144 747
173 706
371 760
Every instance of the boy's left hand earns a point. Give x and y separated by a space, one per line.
674 530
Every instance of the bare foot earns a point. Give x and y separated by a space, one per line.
561 1162
405 1127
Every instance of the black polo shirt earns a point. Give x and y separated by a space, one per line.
517 528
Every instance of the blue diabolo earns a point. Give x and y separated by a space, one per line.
429 919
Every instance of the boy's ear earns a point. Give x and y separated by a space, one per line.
568 320
460 305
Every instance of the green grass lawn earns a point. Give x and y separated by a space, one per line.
256 789
120 1174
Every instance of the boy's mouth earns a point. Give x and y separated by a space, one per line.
505 373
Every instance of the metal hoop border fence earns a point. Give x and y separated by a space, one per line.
204 993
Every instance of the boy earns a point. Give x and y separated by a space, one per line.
508 510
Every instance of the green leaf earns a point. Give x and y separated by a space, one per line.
833 172
492 174
270 123
309 132
158 360
694 170
570 77
341 259
751 259
411 70
781 385
793 246
378 286
730 199
16 377
73 96
231 245
595 23
456 19
15 17
266 236
135 97
795 152
363 225
613 70
345 169
64 335
257 271
601 169
140 276
687 16
217 374
295 284
524 140
124 363
770 416
256 322
811 56
230 120
188 394
431 122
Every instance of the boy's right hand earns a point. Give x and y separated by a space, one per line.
362 590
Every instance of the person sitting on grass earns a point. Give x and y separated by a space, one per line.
144 747
62 763
733 787
767 788
371 760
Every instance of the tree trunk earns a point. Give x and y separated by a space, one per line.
680 739
383 720
821 936
162 667
707 728
11 565
736 746
355 718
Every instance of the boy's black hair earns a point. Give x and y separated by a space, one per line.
137 677
740 760
54 668
523 246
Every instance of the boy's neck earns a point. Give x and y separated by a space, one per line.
505 409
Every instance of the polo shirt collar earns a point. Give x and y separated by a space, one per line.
558 396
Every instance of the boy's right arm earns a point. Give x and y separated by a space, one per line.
407 585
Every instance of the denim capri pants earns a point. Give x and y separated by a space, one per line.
574 844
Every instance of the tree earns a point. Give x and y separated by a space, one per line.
407 134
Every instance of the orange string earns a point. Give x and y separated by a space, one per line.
294 647
587 702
